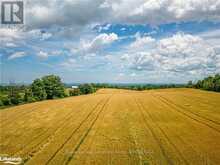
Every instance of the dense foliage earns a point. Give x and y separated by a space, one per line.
47 87
211 83
83 89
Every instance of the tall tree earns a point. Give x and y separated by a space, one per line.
53 86
38 89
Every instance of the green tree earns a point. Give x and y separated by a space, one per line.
28 95
53 86
217 83
15 97
6 100
38 90
86 88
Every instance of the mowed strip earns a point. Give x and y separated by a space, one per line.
171 126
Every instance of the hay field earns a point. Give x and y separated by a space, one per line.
117 127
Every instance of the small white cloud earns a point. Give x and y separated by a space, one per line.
46 36
10 44
71 64
17 55
56 53
42 54
133 74
142 42
39 34
10 35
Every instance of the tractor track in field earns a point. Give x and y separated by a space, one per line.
177 136
74 131
154 135
163 133
195 96
92 142
180 139
49 138
201 100
182 107
81 123
177 108
87 132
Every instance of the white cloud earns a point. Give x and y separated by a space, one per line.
17 55
45 55
133 74
38 34
181 53
45 13
185 53
10 44
42 54
69 63
95 45
142 42
157 12
15 37
10 34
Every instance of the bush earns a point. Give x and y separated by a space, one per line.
74 92
1 103
86 89
28 96
6 100
16 99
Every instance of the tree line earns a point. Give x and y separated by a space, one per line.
47 87
139 87
51 87
211 83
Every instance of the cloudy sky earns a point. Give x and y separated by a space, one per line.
115 41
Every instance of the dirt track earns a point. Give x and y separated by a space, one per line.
120 127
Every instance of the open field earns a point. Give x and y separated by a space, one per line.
119 127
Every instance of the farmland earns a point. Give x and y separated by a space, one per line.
113 126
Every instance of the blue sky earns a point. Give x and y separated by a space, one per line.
113 41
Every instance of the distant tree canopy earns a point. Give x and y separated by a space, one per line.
211 83
138 87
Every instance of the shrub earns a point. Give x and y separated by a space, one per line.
74 92
6 100
1 103
86 88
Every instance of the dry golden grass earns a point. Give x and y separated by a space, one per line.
119 127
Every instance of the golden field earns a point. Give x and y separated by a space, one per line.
116 127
